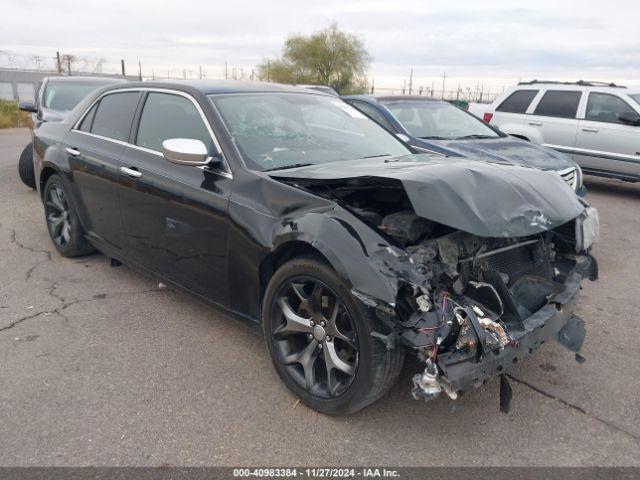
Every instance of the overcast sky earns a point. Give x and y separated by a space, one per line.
495 43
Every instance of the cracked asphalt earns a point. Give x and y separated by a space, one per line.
98 366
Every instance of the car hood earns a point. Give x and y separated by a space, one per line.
513 150
482 198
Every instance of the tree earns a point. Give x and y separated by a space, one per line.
329 57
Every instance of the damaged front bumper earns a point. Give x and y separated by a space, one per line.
463 372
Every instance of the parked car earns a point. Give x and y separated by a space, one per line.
435 126
597 124
55 97
297 212
321 88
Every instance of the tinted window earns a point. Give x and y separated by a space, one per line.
64 96
603 107
114 115
167 116
373 113
517 102
559 103
85 126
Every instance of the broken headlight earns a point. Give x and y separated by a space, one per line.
587 229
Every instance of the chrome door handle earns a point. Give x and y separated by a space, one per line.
72 151
130 172
535 124
589 129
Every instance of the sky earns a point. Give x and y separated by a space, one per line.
494 43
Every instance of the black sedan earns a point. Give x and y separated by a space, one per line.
295 211
433 126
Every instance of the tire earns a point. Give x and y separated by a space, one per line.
63 223
364 370
25 167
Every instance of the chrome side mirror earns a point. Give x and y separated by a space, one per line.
185 151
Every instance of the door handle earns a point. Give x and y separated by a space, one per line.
589 129
72 151
535 124
130 172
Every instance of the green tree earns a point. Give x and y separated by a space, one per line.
329 57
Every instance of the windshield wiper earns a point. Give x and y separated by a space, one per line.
286 167
475 135
376 156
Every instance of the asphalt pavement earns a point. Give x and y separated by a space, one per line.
99 366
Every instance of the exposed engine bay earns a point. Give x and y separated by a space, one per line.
470 306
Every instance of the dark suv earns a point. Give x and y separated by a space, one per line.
55 97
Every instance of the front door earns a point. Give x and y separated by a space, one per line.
175 216
606 143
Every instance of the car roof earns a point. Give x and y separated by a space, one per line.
211 87
85 79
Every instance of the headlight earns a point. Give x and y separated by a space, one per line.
587 229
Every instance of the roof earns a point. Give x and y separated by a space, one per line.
85 79
394 98
208 87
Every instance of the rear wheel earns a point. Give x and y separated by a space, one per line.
25 167
319 338
63 223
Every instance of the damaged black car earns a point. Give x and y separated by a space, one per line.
293 210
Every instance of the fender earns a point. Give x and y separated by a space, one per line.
533 134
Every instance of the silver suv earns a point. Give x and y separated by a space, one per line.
597 124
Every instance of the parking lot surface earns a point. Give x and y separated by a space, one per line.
98 366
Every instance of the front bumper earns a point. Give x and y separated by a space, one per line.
464 372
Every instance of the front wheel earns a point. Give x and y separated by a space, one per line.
320 342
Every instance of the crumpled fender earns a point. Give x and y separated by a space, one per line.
349 245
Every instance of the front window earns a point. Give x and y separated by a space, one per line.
280 130
438 120
65 96
603 107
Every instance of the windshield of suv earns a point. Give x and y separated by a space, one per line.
438 120
635 96
284 130
65 96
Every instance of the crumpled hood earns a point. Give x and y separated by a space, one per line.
510 149
481 198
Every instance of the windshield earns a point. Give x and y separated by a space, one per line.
65 96
280 130
438 120
635 96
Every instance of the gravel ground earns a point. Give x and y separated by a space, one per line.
100 367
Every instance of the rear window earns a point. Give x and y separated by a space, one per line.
559 103
115 114
518 101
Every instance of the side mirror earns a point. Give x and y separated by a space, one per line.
403 137
630 118
28 107
185 151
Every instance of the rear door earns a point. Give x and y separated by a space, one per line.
94 149
605 143
175 216
554 117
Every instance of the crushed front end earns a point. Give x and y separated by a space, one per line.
472 307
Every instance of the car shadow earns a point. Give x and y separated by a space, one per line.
609 186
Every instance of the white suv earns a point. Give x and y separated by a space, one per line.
597 124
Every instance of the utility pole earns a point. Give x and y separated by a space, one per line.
404 86
225 70
444 79
69 64
59 64
200 73
153 74
139 70
122 66
373 85
411 81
